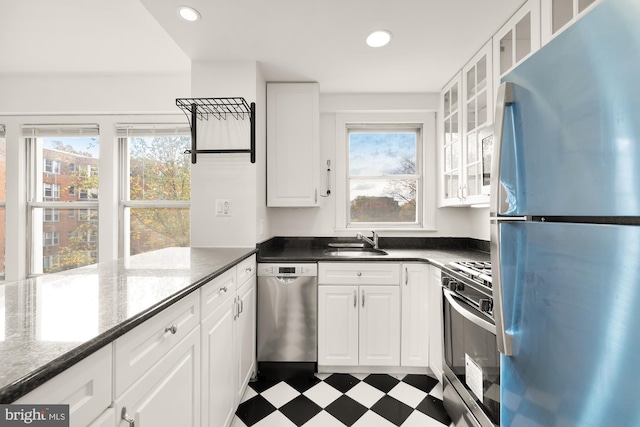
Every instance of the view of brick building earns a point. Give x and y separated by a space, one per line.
69 236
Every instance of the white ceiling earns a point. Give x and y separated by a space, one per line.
292 40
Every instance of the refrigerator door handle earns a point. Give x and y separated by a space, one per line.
504 99
471 317
504 339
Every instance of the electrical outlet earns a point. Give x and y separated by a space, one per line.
223 207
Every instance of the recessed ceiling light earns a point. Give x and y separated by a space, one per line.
379 38
188 13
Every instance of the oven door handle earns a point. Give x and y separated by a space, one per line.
467 314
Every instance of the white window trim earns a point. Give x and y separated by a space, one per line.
426 120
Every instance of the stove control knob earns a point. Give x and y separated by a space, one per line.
486 305
452 284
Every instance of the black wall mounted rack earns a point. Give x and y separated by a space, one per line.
202 108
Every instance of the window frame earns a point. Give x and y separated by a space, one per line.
36 189
426 161
124 132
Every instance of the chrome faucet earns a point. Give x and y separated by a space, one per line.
373 241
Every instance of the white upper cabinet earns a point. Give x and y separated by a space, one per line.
293 144
451 141
518 39
467 106
558 15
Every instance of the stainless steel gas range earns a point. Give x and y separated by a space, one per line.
471 358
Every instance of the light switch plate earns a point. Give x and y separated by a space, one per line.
223 207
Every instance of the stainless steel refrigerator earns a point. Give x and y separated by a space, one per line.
565 227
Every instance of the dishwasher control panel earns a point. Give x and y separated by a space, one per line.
288 270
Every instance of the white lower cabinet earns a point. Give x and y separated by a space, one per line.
169 393
435 322
358 314
415 315
107 419
228 336
85 387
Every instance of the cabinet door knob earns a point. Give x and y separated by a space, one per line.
127 418
173 329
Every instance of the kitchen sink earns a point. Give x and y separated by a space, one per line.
355 252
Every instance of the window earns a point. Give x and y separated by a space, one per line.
3 198
51 191
51 166
51 215
157 191
381 178
54 188
383 175
51 238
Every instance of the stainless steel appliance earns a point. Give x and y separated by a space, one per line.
565 226
287 312
471 359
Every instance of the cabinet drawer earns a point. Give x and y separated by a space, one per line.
246 269
217 291
85 387
368 273
139 349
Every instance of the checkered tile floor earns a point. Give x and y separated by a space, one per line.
338 400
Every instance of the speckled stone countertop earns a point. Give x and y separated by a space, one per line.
51 322
436 251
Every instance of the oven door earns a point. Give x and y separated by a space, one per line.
471 364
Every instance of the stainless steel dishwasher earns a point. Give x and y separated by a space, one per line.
287 313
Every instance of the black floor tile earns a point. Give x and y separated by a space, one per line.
434 408
300 410
342 382
303 383
382 382
254 410
422 382
347 410
392 410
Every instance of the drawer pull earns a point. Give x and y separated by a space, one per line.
127 418
359 273
173 329
223 288
248 269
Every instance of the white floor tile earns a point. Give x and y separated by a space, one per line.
418 419
437 391
365 394
371 419
407 394
323 419
237 422
323 376
360 376
322 394
248 394
275 419
280 394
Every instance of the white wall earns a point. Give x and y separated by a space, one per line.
229 176
320 221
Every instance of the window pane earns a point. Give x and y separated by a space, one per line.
69 167
157 228
3 198
70 241
378 153
159 168
383 200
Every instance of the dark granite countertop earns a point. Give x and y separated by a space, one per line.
53 321
437 251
